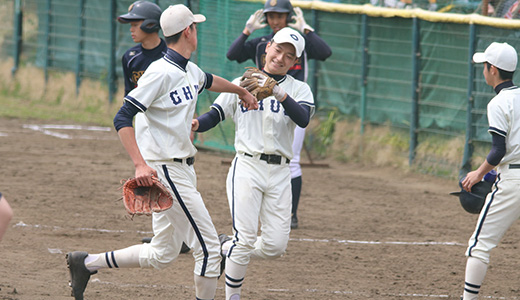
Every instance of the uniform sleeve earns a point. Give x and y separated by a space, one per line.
303 96
129 85
316 47
498 149
240 50
150 85
498 117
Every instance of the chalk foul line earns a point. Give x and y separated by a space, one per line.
340 241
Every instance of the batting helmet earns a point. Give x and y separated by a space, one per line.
473 201
279 6
149 12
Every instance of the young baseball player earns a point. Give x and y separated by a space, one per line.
6 214
143 17
502 206
160 146
259 179
280 14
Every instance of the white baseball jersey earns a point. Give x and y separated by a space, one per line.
502 206
268 129
504 119
259 190
169 97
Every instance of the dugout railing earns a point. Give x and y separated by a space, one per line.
408 68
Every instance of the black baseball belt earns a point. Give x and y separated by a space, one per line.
272 159
189 161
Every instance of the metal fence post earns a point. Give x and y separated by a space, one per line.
313 62
470 129
112 57
47 40
416 62
17 36
81 33
364 72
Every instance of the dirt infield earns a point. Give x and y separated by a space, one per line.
365 232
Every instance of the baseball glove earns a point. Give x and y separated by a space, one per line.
257 83
143 200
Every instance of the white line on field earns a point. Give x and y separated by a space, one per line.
45 129
292 291
22 224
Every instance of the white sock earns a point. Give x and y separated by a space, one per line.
475 273
124 258
205 287
235 274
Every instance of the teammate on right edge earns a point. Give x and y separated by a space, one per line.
502 206
279 14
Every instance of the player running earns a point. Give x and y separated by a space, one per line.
502 206
144 18
160 146
280 14
259 179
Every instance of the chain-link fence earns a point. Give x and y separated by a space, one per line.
408 68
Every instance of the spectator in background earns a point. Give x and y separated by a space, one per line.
6 214
280 14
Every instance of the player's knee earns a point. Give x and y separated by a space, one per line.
158 258
274 251
161 262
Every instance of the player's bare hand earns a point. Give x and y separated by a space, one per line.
194 125
248 100
470 180
143 175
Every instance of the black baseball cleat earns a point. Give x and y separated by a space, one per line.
79 274
185 248
222 239
294 222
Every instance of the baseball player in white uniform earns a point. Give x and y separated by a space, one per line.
502 206
160 146
259 179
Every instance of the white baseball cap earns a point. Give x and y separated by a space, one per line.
291 36
500 55
178 17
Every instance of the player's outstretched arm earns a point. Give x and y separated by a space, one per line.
221 85
6 214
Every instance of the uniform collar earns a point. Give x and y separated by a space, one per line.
503 85
278 78
175 58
